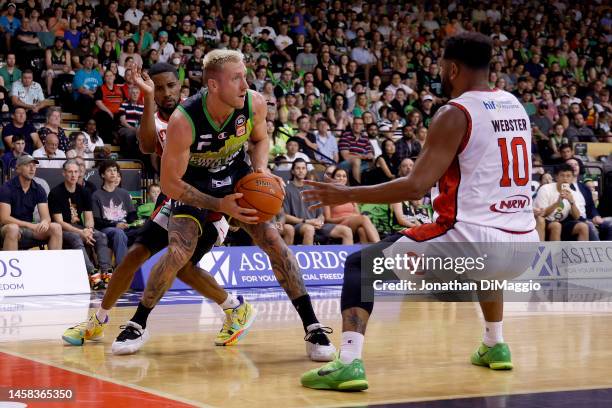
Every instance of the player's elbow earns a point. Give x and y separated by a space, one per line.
171 186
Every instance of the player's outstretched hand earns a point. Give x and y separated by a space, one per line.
229 205
323 194
144 82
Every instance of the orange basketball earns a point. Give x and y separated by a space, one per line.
262 193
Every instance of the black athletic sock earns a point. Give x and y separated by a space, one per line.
141 315
303 305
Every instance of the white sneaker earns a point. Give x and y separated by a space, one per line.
131 339
318 346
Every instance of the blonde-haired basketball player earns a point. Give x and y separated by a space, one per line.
204 158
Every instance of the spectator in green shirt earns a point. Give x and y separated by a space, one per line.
147 39
10 73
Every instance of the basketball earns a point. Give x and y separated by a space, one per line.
262 193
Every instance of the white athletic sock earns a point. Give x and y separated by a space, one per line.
231 302
493 333
102 315
352 345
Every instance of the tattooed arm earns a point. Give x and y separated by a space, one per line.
174 164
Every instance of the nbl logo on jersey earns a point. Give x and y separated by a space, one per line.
240 125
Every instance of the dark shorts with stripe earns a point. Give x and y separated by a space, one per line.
155 238
213 185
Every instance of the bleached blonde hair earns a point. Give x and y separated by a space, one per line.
215 60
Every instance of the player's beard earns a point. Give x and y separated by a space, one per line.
167 111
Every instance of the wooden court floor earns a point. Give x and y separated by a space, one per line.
414 352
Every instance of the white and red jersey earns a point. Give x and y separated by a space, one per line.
161 126
489 181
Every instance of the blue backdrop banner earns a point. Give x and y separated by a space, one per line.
249 267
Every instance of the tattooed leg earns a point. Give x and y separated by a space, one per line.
355 319
183 238
284 265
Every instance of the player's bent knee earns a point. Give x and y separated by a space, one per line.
351 287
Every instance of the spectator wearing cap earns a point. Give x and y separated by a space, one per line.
48 154
163 47
57 61
28 94
19 197
355 150
10 23
21 127
578 131
427 109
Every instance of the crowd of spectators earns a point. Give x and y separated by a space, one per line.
353 85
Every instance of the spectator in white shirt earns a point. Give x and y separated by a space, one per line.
557 208
164 48
50 151
263 25
396 83
293 146
361 54
282 41
133 15
28 94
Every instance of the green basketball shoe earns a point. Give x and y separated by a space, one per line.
496 358
337 376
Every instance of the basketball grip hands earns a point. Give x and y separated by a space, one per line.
229 204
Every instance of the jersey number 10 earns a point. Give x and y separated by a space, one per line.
515 144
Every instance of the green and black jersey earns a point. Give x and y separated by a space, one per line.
215 150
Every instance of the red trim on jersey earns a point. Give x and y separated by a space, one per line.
158 209
488 90
160 118
468 131
445 203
